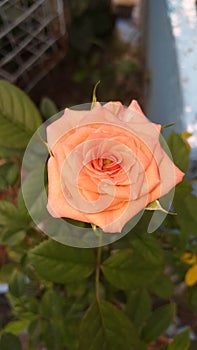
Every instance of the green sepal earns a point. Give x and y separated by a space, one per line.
155 205
94 99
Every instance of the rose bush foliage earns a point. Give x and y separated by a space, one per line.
141 290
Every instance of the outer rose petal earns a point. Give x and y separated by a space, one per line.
57 205
135 106
114 107
114 221
66 123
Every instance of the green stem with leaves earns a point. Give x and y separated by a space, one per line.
98 262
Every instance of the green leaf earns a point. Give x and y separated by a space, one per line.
6 271
21 205
8 174
72 333
162 287
183 189
6 152
9 341
128 269
15 327
167 126
106 328
11 218
181 341
7 212
61 264
19 117
158 322
77 290
56 302
17 284
190 204
47 107
138 306
185 134
149 248
35 195
35 330
53 337
191 298
13 238
180 150
185 204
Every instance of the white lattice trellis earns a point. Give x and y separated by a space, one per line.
32 39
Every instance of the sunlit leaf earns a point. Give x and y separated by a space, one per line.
15 327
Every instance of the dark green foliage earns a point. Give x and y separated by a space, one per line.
9 341
181 341
158 322
61 264
107 328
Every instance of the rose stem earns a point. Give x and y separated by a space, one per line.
98 262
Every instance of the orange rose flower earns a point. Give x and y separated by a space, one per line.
106 165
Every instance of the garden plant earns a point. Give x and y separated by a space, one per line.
83 279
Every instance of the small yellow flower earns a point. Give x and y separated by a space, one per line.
189 258
191 274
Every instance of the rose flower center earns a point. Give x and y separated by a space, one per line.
106 162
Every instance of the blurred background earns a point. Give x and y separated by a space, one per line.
142 49
60 49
